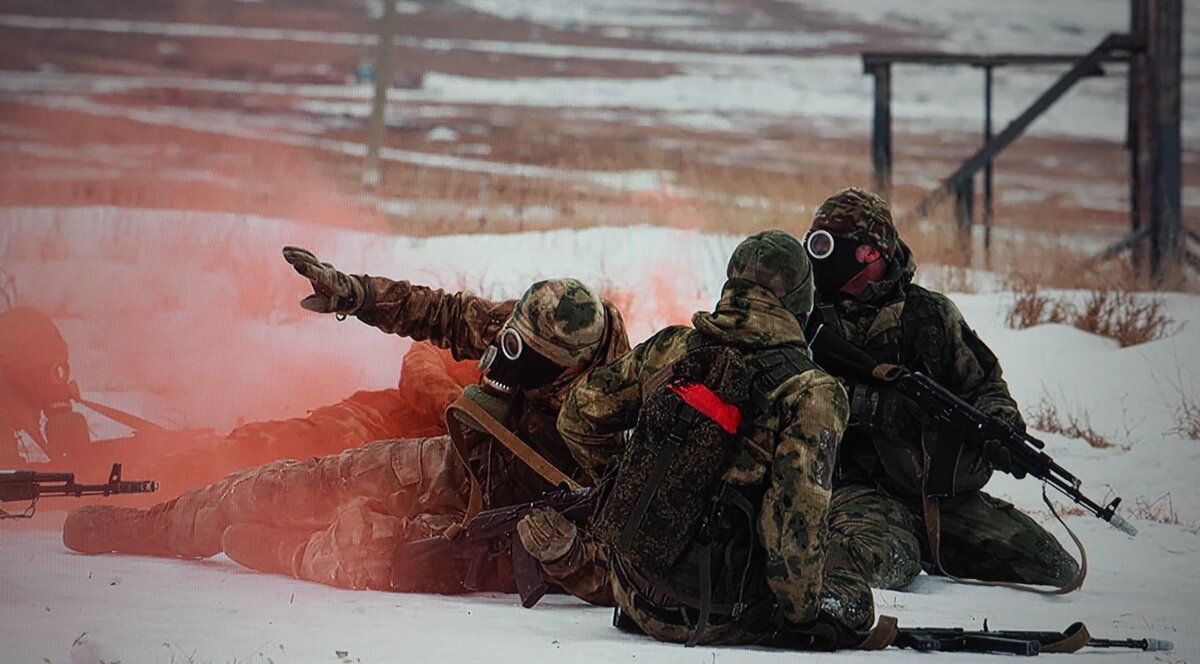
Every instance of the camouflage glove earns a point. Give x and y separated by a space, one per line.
547 535
995 453
333 291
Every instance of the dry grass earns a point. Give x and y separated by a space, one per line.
1129 318
1031 307
1187 417
1160 510
1045 416
1125 316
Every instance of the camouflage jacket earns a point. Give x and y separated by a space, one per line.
466 325
884 445
789 450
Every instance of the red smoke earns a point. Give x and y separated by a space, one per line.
152 255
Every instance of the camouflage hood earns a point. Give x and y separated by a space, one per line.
613 344
749 316
900 272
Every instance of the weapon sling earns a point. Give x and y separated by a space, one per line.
933 530
518 447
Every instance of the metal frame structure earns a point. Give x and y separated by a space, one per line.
1153 50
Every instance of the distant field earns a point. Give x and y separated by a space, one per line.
532 115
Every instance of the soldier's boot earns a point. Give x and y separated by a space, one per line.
846 597
109 529
264 548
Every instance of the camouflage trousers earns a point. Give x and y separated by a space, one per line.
416 408
844 597
338 518
883 540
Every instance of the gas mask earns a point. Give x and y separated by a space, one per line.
66 430
51 392
509 366
834 261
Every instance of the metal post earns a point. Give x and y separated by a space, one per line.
988 167
964 214
1167 53
372 173
881 129
1138 183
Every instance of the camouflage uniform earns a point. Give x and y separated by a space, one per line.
429 380
877 523
786 460
336 519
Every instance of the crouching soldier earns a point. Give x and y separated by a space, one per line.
337 519
884 526
715 518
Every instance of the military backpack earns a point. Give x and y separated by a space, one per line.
667 514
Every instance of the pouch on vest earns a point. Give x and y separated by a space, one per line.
683 440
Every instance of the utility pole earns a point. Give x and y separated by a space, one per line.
372 171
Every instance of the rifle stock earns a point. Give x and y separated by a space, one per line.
489 531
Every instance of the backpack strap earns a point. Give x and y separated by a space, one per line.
685 416
769 370
921 336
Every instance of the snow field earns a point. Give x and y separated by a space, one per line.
209 290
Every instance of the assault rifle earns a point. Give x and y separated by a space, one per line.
828 635
842 358
31 485
929 639
491 531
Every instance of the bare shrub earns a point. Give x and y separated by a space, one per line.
1030 307
1127 317
1122 315
1187 418
1160 510
1045 417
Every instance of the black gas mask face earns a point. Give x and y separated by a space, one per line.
834 261
51 391
513 365
509 366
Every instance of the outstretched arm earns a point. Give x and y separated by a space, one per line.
605 402
463 323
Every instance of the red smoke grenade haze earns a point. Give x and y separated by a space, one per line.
189 319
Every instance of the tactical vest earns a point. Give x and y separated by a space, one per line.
685 536
920 345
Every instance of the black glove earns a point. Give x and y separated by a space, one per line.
1001 458
333 291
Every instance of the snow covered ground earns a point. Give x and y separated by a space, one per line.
146 297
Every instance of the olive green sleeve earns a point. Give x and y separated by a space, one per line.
605 403
793 518
972 370
461 322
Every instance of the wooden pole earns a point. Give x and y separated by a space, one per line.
1167 56
988 168
372 171
881 129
